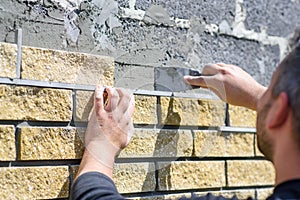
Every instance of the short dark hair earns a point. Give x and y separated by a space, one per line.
288 80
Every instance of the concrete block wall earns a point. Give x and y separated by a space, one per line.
184 143
180 146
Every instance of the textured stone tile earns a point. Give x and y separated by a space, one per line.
84 105
8 60
215 144
239 144
250 173
51 143
257 151
240 194
162 197
34 182
134 177
68 67
32 103
264 193
242 117
145 110
163 143
191 175
7 143
191 112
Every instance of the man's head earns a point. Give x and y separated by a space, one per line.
283 96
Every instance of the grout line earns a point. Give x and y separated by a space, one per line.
71 86
19 53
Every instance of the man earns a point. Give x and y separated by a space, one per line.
278 126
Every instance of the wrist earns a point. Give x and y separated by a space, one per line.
90 163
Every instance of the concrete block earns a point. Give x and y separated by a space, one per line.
8 60
7 143
68 67
191 112
214 144
32 103
242 117
145 110
277 18
134 177
34 182
250 173
163 143
191 175
37 143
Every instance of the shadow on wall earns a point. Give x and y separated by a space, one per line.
165 146
64 192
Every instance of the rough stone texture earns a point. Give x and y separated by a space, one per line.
240 194
242 117
7 143
8 60
34 182
163 143
276 17
130 77
31 103
47 30
257 151
207 11
162 197
51 143
214 144
190 175
166 47
134 177
264 193
145 110
68 67
250 173
84 105
191 112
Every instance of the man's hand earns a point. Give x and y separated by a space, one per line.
109 130
230 83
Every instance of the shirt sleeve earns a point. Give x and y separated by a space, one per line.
94 185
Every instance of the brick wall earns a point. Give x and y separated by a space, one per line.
183 142
180 145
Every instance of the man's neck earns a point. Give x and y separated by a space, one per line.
287 163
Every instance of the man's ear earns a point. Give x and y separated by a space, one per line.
280 110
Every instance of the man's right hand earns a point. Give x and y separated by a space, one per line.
231 83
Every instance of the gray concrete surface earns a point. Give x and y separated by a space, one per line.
144 34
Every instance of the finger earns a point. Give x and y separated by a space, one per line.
131 105
98 101
210 69
124 100
113 99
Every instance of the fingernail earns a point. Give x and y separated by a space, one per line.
98 92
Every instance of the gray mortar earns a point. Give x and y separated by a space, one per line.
279 18
209 11
98 28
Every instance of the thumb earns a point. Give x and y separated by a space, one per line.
196 80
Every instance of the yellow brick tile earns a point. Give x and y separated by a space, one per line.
7 143
34 182
32 103
192 112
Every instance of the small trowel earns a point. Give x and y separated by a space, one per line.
171 78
